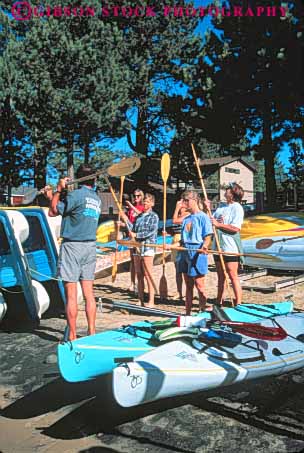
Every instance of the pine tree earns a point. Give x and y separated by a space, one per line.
247 85
71 86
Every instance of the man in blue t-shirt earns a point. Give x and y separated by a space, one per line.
80 212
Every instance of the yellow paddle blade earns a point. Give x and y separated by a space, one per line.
165 167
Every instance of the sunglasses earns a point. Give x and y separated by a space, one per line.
186 200
137 196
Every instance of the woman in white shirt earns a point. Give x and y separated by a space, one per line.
228 220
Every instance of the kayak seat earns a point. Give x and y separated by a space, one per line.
40 266
8 273
240 353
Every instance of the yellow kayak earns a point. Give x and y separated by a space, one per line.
276 234
106 231
273 225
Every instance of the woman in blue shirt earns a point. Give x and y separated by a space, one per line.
196 234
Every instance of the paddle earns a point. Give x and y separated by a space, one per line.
217 242
114 267
257 331
247 328
165 171
213 252
105 249
123 168
147 310
266 243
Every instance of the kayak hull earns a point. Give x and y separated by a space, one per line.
88 357
177 368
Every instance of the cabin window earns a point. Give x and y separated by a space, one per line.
232 170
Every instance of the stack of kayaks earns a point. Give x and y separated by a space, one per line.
198 359
15 273
285 235
89 357
41 249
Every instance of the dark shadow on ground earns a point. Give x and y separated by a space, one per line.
98 450
12 326
49 398
96 411
273 405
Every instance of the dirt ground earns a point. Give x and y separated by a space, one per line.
40 412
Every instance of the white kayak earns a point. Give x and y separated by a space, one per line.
185 366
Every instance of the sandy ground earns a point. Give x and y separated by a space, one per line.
42 413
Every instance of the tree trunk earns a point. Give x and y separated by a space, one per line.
70 160
86 151
40 158
269 156
141 147
142 141
9 194
295 196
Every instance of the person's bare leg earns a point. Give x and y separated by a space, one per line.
132 271
179 282
90 304
147 268
232 271
200 286
220 283
71 308
140 278
189 293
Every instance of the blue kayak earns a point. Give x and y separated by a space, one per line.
91 356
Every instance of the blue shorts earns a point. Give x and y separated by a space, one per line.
192 263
